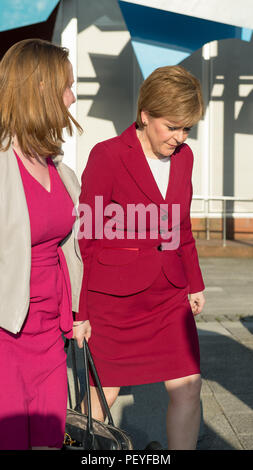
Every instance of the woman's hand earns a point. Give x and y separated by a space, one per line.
197 302
81 330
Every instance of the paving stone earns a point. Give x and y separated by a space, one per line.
218 435
247 441
232 404
206 389
242 423
238 330
212 328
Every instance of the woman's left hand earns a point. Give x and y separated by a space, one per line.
197 302
81 330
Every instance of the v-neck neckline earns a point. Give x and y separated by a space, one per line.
35 179
168 182
144 159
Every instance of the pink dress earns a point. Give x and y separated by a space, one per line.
33 391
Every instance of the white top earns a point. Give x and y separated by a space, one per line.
160 168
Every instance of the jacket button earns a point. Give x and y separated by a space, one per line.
164 217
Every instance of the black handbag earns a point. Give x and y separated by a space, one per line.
81 430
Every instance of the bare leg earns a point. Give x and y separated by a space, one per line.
111 394
183 416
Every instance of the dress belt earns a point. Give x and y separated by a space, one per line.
42 262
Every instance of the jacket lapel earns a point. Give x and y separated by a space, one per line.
136 164
138 167
177 175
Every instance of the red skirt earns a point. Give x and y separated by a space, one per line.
146 337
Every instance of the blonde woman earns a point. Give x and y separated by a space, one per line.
40 264
136 284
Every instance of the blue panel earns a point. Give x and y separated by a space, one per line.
173 30
246 34
19 13
150 57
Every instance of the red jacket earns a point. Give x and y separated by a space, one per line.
118 172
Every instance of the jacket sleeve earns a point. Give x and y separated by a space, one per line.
189 251
96 194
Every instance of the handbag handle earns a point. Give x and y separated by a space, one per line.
89 362
88 365
74 369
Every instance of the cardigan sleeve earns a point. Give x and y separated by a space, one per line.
96 191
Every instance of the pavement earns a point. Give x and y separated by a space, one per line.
225 330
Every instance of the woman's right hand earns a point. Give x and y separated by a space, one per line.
81 330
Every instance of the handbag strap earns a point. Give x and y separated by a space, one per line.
88 365
76 385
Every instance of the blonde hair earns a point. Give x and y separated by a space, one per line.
33 77
173 93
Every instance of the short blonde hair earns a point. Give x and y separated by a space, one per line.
173 93
33 77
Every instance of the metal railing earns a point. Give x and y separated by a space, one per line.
224 200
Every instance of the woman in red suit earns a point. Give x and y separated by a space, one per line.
142 282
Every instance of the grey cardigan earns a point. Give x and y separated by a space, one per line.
15 243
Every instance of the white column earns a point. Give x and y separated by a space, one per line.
209 51
205 134
69 40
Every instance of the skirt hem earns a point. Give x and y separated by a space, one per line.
152 380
